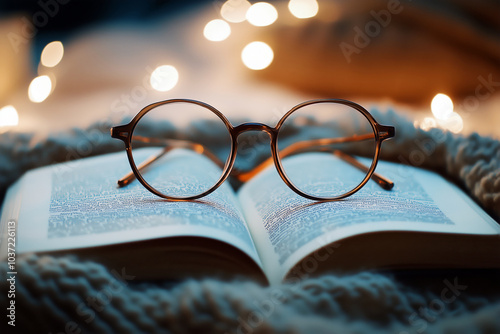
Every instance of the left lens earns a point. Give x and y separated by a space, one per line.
321 144
181 148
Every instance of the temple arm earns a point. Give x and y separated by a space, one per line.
311 145
295 148
170 144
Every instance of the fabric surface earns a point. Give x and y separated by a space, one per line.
66 294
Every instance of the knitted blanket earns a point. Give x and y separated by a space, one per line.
66 294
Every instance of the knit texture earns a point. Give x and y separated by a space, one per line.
67 294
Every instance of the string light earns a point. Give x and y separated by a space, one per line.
428 123
164 78
257 55
262 14
217 30
235 10
445 117
453 122
303 9
442 106
8 116
52 54
39 89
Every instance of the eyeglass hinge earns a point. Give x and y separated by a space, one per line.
118 133
386 131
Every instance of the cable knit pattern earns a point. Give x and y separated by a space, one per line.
53 293
66 294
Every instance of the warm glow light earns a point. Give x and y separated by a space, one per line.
235 10
52 54
40 89
217 30
8 116
164 78
428 123
262 14
257 55
303 9
442 106
453 122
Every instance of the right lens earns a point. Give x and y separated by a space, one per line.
181 148
321 145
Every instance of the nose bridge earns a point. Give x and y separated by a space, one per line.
253 127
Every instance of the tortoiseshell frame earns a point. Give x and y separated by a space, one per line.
381 133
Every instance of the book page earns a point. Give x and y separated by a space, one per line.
286 227
78 204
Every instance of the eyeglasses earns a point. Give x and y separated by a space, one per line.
184 149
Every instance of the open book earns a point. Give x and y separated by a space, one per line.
264 230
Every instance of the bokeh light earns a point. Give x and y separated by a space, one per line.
40 89
453 122
257 55
164 78
52 54
235 10
8 116
262 14
442 106
428 123
217 30
303 9
445 117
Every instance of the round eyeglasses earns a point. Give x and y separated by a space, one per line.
323 149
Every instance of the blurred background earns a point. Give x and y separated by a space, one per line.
70 63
